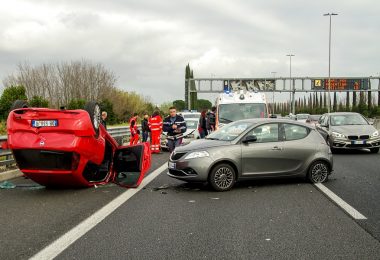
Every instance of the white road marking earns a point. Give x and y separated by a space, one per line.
341 203
59 245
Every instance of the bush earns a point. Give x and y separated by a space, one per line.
38 101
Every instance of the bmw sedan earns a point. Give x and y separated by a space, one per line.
250 149
347 130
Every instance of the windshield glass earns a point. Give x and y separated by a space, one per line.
229 132
349 119
232 112
302 116
191 124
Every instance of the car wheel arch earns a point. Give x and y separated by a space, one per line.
317 160
232 164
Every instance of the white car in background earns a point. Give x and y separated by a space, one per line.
192 122
188 115
302 117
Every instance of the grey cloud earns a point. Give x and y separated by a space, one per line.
148 43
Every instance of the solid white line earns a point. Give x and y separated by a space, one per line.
341 203
59 245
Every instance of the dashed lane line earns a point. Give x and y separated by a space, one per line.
59 245
340 202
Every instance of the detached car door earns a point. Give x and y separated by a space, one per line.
130 164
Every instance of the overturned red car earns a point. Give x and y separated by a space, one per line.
59 147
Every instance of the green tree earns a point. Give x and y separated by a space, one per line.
38 101
189 74
193 95
335 105
179 104
203 104
164 108
10 95
354 99
362 108
107 106
76 104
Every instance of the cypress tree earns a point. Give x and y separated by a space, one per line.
335 102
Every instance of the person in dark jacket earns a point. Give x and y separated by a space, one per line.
174 125
211 120
145 128
202 126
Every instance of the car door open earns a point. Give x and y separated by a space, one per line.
130 164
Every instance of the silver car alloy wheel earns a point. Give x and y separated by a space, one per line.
319 172
224 177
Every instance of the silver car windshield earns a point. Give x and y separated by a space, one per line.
349 119
237 111
229 132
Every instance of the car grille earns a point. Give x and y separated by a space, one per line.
177 156
177 173
355 137
43 159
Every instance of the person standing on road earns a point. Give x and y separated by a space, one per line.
135 132
103 121
174 125
155 123
202 125
145 128
211 119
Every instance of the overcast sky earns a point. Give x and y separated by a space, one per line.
148 43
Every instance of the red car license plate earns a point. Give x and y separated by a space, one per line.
44 123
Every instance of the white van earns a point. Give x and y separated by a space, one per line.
241 104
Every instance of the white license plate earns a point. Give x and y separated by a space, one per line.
172 165
44 123
358 142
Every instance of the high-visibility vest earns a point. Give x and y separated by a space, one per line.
155 123
133 126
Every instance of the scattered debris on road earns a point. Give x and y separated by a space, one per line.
7 185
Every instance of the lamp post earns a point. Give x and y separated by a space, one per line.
274 76
290 76
329 14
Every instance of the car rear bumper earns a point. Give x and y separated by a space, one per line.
355 144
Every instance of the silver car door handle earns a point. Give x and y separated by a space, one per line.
276 148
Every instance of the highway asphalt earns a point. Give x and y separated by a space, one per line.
169 219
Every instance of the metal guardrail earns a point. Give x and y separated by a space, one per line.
118 133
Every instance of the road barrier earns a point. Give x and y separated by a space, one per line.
120 134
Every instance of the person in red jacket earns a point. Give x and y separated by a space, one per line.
135 133
155 124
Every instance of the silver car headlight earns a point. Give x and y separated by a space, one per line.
338 135
194 155
375 134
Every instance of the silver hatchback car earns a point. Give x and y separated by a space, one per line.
255 148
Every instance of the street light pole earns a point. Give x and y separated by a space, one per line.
329 87
290 75
274 76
